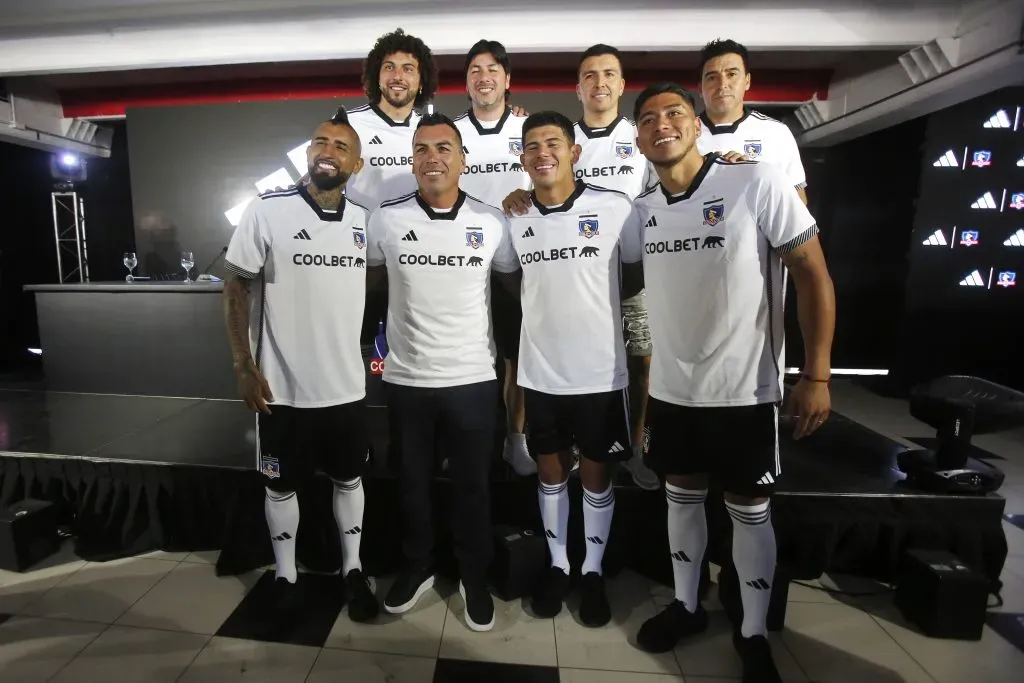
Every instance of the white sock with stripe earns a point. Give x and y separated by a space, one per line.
687 541
349 501
554 513
754 554
282 511
598 509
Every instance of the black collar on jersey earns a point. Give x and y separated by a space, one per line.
387 119
725 127
709 161
564 206
489 131
442 216
599 132
321 214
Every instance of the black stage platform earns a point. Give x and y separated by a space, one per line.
131 474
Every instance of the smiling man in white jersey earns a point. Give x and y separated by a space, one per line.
492 140
609 158
438 247
573 357
715 238
296 353
733 129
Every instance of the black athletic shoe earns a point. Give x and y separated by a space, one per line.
756 655
479 605
663 631
408 588
549 594
283 596
362 603
594 609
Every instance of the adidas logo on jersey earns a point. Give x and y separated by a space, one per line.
375 140
653 223
616 448
529 232
411 237
302 235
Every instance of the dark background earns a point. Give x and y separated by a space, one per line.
190 164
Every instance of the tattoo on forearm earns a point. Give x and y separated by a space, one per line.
236 317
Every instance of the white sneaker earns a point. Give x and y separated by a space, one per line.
518 456
642 475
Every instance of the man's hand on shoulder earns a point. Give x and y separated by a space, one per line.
516 203
733 157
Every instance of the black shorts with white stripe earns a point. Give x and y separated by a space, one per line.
738 445
597 423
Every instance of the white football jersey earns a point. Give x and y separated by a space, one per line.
387 156
610 158
571 339
492 148
713 275
439 265
306 317
760 137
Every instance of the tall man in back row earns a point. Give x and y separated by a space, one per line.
715 238
296 353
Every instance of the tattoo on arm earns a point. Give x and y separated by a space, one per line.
236 318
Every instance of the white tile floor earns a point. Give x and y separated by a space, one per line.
152 619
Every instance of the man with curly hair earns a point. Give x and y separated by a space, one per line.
399 75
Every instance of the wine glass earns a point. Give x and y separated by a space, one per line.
130 262
187 262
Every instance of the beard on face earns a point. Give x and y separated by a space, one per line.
397 100
326 181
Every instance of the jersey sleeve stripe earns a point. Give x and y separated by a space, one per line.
286 192
800 186
397 200
239 271
606 189
461 116
798 241
649 190
480 201
355 203
362 107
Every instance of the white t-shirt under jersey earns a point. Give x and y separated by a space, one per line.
713 273
387 156
760 137
571 339
439 265
306 318
610 158
492 151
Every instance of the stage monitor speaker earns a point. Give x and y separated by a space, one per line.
520 557
941 595
28 534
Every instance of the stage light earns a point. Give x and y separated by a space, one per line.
69 160
35 352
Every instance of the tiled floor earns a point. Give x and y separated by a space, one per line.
165 617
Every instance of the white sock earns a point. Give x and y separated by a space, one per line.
282 510
687 540
753 553
348 513
598 509
554 513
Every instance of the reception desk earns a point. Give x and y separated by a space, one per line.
142 338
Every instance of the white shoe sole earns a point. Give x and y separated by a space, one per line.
403 608
523 464
473 626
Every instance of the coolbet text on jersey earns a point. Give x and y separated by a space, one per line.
492 151
387 156
610 158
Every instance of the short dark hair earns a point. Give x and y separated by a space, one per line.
597 51
549 118
493 48
389 44
340 117
655 89
719 47
439 119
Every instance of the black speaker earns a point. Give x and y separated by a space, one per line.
520 557
941 595
28 534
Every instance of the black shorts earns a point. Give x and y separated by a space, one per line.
597 423
737 444
506 320
293 443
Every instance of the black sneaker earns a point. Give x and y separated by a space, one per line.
283 595
663 631
479 605
756 655
362 603
594 609
409 586
549 594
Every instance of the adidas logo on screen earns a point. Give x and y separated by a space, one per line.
985 201
1016 239
999 120
947 160
936 239
1020 163
973 280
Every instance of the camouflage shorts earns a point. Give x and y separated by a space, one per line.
635 329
